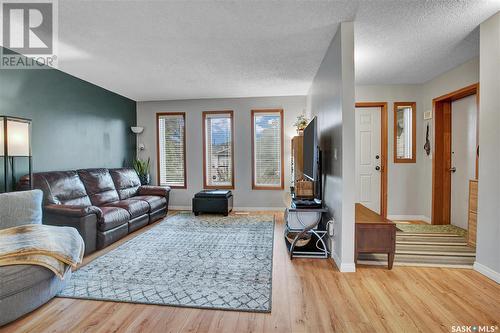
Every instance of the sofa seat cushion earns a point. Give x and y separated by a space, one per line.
16 278
112 217
154 202
134 207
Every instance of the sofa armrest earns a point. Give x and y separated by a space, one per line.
162 191
73 211
84 219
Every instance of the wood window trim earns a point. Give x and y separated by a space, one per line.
282 153
383 151
413 158
158 115
203 118
441 154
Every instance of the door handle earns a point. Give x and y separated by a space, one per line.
377 168
453 169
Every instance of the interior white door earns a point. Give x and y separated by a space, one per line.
463 157
368 158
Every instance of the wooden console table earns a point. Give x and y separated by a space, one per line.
374 234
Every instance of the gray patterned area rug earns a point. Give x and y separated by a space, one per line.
208 261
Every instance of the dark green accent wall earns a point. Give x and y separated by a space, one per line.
76 124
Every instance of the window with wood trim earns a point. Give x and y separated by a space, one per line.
218 163
171 133
405 132
267 149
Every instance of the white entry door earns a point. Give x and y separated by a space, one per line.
368 158
463 157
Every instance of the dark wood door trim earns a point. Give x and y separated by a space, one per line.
383 151
441 157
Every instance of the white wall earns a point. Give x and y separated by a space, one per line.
331 99
410 185
244 196
488 225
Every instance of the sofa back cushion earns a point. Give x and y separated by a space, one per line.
99 186
61 188
20 208
126 182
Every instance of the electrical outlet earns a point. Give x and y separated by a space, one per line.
331 229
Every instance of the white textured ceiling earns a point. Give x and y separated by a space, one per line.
154 50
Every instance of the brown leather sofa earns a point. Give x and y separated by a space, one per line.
104 205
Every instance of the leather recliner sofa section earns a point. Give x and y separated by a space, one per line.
104 205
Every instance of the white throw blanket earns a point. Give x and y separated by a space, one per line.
56 248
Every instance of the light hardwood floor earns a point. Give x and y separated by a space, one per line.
308 296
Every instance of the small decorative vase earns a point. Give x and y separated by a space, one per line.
145 179
300 132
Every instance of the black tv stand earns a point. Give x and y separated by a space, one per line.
301 223
306 203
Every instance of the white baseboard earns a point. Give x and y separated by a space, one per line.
486 271
348 267
170 207
255 209
336 259
409 218
343 267
235 209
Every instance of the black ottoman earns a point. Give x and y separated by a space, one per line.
213 201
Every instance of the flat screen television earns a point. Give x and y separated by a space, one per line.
310 151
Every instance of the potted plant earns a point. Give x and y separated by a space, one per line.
300 124
142 169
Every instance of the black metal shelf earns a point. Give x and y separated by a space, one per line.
310 250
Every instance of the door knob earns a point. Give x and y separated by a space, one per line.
377 157
453 169
377 168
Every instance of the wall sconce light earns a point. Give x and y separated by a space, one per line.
15 142
138 130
